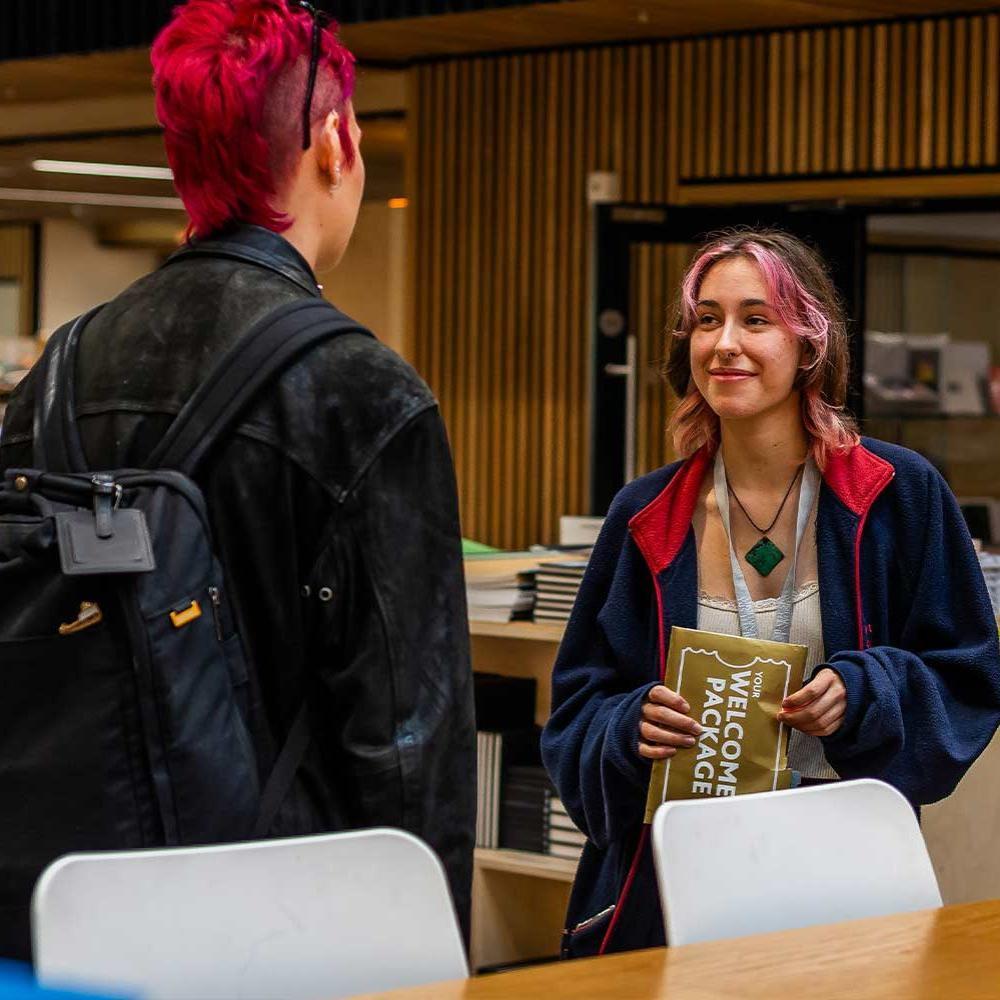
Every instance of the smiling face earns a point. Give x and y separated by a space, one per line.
743 361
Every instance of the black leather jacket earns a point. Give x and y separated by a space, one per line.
335 515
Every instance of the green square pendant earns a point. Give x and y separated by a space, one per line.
764 556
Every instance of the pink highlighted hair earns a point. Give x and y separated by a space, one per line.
230 79
807 304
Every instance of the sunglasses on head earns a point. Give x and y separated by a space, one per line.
320 19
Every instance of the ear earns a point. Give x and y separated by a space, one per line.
809 359
329 154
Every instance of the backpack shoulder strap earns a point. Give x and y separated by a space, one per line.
282 776
259 356
56 440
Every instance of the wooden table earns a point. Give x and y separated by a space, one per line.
951 952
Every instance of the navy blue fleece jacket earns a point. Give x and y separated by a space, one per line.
907 624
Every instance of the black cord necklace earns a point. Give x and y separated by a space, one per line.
764 555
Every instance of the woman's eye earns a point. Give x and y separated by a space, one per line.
756 321
706 319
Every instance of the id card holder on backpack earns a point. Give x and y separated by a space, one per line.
82 552
100 541
92 545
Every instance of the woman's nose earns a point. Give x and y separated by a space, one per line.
729 340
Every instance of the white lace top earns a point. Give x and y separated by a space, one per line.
805 753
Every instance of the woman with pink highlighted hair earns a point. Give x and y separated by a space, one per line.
759 361
778 522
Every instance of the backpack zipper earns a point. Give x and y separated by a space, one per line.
150 713
216 599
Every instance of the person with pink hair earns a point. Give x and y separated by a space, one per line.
778 522
331 494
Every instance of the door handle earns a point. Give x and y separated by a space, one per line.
630 372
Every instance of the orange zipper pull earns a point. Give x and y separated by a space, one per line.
186 616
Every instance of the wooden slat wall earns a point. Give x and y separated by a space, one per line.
501 226
17 261
907 96
502 148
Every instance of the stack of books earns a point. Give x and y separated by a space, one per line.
504 758
563 838
517 806
557 584
523 804
500 587
507 740
488 752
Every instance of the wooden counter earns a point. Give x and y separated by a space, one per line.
951 952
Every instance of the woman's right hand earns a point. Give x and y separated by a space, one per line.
665 726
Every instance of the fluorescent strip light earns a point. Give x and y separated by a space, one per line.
91 198
103 169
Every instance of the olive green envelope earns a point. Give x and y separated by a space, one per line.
735 687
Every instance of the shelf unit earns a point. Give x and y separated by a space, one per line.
518 898
526 863
537 631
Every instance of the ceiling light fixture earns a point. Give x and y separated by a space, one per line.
130 170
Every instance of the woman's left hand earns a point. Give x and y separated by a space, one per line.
818 708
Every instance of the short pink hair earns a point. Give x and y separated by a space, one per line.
230 81
806 302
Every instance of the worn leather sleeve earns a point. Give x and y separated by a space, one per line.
395 682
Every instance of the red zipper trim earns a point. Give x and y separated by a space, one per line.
659 629
644 835
857 580
879 487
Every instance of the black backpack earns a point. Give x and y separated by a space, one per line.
123 680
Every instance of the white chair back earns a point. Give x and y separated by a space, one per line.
729 867
310 917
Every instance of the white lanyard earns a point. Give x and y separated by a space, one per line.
744 603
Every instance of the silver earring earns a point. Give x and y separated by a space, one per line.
337 178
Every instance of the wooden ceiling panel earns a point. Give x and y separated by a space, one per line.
587 22
102 74
570 22
49 96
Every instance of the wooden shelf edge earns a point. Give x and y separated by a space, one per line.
538 631
526 863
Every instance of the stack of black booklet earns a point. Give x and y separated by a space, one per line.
526 793
508 742
518 806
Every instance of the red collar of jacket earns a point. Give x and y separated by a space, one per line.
856 477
